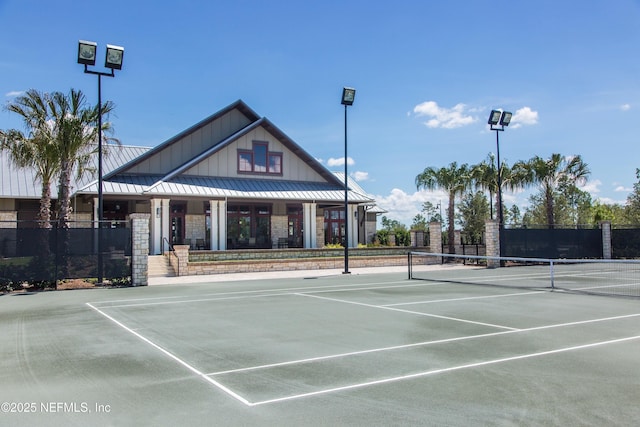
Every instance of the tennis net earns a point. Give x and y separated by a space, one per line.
596 276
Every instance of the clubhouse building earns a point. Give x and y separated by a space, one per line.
231 181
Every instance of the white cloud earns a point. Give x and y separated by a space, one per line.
625 107
440 117
622 189
360 176
14 93
592 187
404 207
524 116
339 161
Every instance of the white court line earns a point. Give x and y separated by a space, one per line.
248 403
463 299
424 343
409 311
176 358
443 370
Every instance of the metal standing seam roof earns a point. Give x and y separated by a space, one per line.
220 187
22 183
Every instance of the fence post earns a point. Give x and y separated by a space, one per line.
605 226
492 231
139 249
435 237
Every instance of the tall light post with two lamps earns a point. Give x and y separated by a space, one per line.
502 119
348 96
113 60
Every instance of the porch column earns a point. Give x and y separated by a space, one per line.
95 212
214 244
353 229
222 225
165 223
159 225
155 229
309 224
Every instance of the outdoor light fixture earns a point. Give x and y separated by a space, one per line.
87 52
348 96
114 57
113 61
494 117
503 118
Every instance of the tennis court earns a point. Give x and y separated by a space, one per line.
359 349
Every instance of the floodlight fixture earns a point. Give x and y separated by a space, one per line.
494 117
114 57
87 52
348 96
506 118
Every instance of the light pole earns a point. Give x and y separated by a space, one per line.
348 96
113 61
502 118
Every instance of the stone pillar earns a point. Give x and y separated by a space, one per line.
8 244
492 236
8 219
182 253
605 226
139 249
392 239
435 237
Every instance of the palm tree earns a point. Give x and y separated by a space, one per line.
551 173
76 133
37 148
455 180
485 177
61 136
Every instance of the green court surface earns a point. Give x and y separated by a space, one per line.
359 349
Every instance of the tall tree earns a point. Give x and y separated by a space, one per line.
473 212
485 177
550 174
456 180
36 148
77 133
633 201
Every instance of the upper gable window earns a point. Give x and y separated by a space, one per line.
259 160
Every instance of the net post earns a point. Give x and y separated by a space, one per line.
409 263
551 274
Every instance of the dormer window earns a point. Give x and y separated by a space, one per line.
259 160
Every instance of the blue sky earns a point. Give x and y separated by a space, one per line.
426 74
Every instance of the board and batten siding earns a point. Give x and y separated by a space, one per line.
224 163
192 144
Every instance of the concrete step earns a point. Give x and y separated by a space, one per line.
159 266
